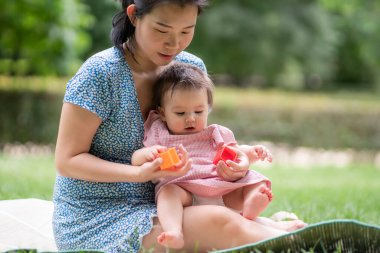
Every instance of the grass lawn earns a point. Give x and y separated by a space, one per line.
314 194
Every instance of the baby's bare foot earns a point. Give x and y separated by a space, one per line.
171 239
256 202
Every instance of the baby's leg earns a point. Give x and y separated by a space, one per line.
256 199
250 200
170 202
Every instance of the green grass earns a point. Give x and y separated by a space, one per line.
26 176
314 194
326 193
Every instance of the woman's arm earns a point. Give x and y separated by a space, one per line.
76 131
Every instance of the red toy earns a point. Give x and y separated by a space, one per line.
224 154
170 159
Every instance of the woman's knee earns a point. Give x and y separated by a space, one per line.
227 220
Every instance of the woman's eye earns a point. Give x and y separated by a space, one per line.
160 31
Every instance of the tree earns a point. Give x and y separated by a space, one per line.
267 39
103 12
42 37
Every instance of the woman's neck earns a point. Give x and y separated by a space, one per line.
138 64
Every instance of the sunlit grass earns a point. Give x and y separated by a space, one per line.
314 194
30 176
318 194
297 101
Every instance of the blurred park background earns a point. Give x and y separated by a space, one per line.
302 76
304 73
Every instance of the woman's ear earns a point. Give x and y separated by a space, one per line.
131 11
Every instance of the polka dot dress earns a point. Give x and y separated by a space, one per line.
111 217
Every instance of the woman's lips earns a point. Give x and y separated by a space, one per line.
166 56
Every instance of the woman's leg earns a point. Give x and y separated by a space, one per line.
170 202
215 227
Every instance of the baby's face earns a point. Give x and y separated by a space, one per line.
185 111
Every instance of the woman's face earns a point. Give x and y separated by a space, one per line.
164 32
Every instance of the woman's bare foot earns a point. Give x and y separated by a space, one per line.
289 225
173 240
256 202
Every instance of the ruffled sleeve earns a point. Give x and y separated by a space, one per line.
222 136
90 88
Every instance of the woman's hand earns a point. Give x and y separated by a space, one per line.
151 170
232 171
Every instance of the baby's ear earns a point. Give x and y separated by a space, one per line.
161 112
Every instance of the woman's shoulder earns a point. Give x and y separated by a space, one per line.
108 56
187 57
105 64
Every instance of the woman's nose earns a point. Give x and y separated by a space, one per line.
172 42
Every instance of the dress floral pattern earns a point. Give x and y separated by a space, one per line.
112 217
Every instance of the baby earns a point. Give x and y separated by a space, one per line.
183 99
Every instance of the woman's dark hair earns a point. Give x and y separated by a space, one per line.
122 28
181 76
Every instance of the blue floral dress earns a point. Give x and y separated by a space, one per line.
111 217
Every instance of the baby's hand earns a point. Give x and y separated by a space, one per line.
151 170
233 170
259 152
181 168
151 153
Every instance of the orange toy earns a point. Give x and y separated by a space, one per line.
224 154
170 159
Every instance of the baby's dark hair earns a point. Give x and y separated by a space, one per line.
122 28
181 76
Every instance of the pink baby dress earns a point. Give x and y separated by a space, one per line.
202 179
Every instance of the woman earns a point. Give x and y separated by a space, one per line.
101 201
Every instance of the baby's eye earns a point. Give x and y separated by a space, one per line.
180 113
199 112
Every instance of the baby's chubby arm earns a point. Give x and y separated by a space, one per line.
146 154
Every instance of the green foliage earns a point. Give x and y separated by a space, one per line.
31 108
266 39
292 44
39 37
359 35
29 117
100 31
330 120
